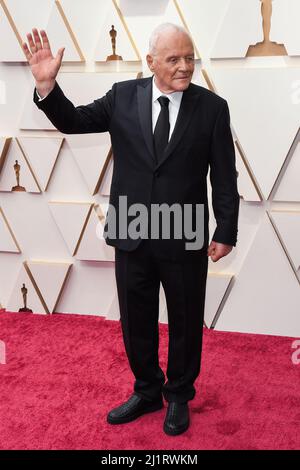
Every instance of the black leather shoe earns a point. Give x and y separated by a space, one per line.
132 409
177 418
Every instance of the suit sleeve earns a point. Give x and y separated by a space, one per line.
223 177
84 119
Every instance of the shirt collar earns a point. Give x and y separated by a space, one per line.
174 97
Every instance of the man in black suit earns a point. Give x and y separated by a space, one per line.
166 132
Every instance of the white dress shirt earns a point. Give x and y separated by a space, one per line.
174 105
39 97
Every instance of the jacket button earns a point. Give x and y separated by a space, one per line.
157 174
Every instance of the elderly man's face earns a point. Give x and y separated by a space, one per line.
172 62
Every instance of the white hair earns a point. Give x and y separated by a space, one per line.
162 28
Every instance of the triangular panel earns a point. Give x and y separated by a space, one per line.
50 278
16 174
91 153
266 131
8 242
92 246
216 288
287 224
42 153
71 218
266 291
25 294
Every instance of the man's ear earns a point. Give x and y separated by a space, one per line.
149 59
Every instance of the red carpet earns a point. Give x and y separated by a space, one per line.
64 372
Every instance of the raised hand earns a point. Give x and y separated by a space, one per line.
44 66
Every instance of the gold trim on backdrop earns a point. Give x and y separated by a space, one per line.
276 230
208 80
4 152
186 27
91 204
11 233
55 161
126 29
223 301
210 275
62 287
51 263
101 217
13 26
56 158
99 213
71 202
83 229
103 171
284 165
248 168
29 166
70 31
237 143
286 211
37 290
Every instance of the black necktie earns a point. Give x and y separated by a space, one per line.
162 128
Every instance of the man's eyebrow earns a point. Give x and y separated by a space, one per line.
177 56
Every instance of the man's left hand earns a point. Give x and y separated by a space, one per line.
218 250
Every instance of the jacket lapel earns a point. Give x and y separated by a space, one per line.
187 106
144 99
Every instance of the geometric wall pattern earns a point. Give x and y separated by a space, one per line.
30 300
52 255
287 225
44 282
8 242
95 149
17 171
266 273
260 127
92 244
289 188
71 219
41 154
217 290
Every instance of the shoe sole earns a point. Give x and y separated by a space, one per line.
135 415
173 432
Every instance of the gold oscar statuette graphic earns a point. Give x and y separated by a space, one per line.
114 56
266 47
17 172
24 291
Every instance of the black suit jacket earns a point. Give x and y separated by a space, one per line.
201 139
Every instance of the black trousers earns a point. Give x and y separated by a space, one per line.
138 276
